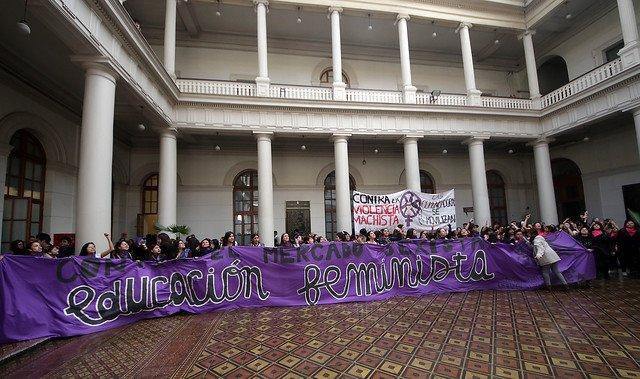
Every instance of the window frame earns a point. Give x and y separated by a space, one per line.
330 233
493 207
242 237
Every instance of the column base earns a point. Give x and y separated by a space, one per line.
262 86
630 55
409 94
339 91
473 96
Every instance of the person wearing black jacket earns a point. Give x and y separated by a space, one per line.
601 245
628 241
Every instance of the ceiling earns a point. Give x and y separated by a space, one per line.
238 21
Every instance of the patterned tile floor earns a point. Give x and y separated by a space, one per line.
582 333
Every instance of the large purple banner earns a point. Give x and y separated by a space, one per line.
47 297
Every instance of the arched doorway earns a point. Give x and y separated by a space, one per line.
567 183
552 74
330 225
497 197
24 189
427 184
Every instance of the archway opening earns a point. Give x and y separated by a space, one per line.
497 197
552 74
567 183
330 224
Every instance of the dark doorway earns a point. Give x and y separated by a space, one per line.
552 74
298 218
567 182
631 196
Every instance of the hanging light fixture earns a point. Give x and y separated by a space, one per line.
364 161
141 125
23 25
299 19
217 148
370 26
434 34
497 40
219 9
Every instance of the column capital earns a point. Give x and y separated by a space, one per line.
463 25
340 136
474 140
528 32
99 65
636 112
262 136
540 141
170 132
410 138
263 2
332 9
402 16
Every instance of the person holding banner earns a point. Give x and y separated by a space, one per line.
547 259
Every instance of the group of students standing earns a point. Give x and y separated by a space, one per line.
616 250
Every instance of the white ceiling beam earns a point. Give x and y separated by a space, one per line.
189 19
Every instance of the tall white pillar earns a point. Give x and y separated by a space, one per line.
411 162
168 178
532 68
339 87
544 177
636 121
265 188
170 37
630 53
408 89
343 192
262 81
481 208
93 210
5 150
467 61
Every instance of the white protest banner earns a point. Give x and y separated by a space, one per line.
420 211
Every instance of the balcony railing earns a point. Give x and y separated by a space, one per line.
584 82
281 91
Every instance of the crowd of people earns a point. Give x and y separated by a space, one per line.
616 250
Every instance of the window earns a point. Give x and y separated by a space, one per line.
148 218
326 77
24 189
330 224
497 197
427 185
611 53
245 206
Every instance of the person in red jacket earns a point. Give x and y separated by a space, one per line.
628 242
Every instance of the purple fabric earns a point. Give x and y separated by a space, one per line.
42 297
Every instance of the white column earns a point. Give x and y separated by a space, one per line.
5 150
262 81
532 68
481 208
168 178
544 177
93 210
630 53
636 121
339 87
170 37
265 188
411 162
408 89
343 192
467 61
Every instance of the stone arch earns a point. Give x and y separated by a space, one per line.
328 63
237 168
326 170
435 175
503 170
568 187
141 173
552 73
50 140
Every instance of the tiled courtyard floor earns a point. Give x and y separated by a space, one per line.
582 333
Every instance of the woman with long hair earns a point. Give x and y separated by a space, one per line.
229 239
284 241
546 258
88 250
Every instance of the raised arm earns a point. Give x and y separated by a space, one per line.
111 247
